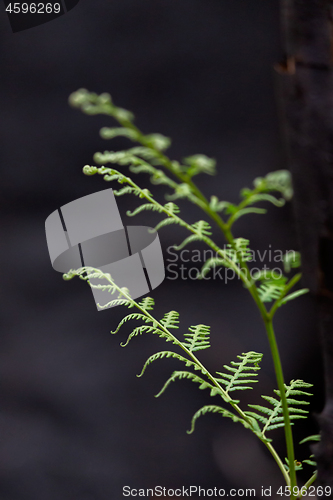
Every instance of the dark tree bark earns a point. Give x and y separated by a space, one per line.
306 92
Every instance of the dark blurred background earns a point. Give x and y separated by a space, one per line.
75 422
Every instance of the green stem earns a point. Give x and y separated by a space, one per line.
285 411
278 461
307 484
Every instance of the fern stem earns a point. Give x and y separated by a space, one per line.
278 461
308 484
285 410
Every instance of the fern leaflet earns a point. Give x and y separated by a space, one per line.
273 420
170 319
195 378
170 354
241 372
216 409
197 338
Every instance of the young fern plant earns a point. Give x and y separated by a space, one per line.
268 290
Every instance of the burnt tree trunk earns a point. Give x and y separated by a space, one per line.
306 101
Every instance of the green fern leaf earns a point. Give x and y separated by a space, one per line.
204 384
141 208
112 132
216 409
172 208
239 250
147 303
189 239
244 211
124 190
167 222
310 462
197 338
211 264
116 302
218 206
291 259
202 228
170 354
252 198
313 437
181 191
144 329
241 372
157 141
129 317
279 180
269 291
294 295
170 320
197 164
273 420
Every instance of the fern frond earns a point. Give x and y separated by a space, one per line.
253 197
149 329
279 180
241 372
141 208
274 419
294 295
197 338
310 462
269 291
235 254
202 228
157 141
218 206
111 132
194 378
244 211
170 319
216 409
170 354
197 164
189 239
116 302
211 263
181 191
275 181
172 208
313 437
147 303
93 104
139 330
124 190
130 317
167 222
291 259
239 250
